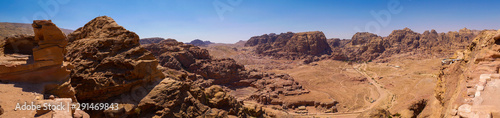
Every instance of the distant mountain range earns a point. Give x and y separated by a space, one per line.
198 42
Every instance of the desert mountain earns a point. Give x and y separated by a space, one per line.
363 46
366 46
150 40
11 29
108 60
291 45
198 42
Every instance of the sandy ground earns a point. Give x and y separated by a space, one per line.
394 84
13 93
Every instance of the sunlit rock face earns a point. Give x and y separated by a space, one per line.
47 55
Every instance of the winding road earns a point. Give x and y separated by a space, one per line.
384 96
384 93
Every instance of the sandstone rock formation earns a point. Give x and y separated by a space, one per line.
471 80
198 42
291 45
47 53
18 44
180 56
111 66
13 29
172 98
145 41
203 70
366 46
272 85
108 60
1 110
44 69
176 55
363 46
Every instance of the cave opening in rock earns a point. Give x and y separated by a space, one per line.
20 45
497 42
418 107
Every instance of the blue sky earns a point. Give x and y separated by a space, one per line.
186 20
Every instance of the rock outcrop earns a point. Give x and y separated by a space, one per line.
291 45
180 56
145 41
108 60
172 98
13 29
47 54
200 68
176 55
469 82
272 85
111 66
367 46
362 46
18 44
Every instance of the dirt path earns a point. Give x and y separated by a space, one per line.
384 96
384 93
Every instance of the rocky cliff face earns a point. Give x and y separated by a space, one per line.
172 98
362 46
108 60
145 41
45 52
366 46
20 44
180 56
291 45
111 66
469 82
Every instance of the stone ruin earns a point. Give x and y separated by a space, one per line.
483 99
46 62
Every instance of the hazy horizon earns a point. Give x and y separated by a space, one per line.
230 21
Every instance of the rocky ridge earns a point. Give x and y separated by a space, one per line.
476 68
291 45
363 46
108 60
111 66
367 46
145 41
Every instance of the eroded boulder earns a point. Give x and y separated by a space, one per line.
108 60
174 98
47 56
